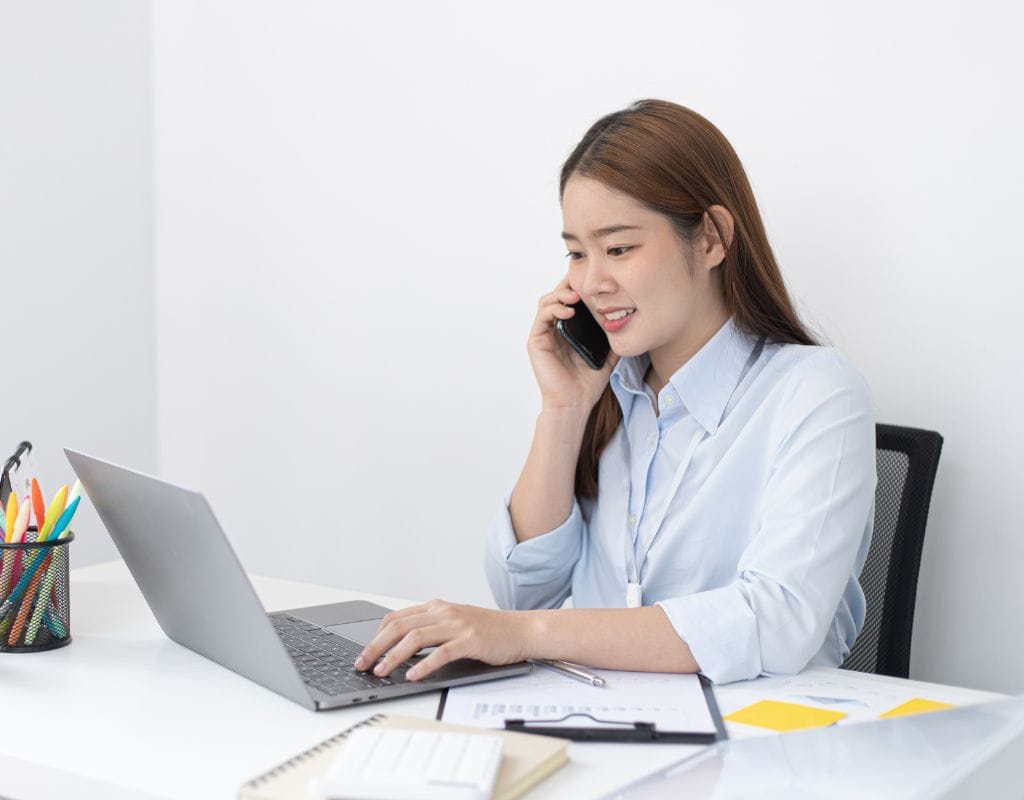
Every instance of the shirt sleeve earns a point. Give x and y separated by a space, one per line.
536 573
814 524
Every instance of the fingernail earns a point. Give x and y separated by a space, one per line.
412 674
360 662
379 669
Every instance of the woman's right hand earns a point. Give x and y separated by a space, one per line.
565 379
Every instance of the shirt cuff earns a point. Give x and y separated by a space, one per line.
540 559
721 631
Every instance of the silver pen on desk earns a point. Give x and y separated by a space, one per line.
571 670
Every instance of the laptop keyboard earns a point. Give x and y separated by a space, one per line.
326 660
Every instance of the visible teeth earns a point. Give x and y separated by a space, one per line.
619 314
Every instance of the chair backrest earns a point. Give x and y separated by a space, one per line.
907 459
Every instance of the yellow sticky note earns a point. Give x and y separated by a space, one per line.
916 706
779 716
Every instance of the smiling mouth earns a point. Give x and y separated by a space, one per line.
612 325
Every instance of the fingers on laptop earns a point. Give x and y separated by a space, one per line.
404 633
393 627
456 631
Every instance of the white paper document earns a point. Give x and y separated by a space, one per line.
861 696
672 703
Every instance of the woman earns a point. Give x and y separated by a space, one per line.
706 497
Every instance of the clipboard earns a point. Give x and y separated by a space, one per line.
615 731
594 729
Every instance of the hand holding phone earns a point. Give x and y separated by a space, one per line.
585 335
571 363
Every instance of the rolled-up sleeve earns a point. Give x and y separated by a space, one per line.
536 573
814 526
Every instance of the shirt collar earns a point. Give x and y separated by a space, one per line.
704 383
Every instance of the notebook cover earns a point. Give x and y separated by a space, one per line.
526 760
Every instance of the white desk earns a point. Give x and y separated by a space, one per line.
122 712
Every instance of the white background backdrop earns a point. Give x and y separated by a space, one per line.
76 240
354 211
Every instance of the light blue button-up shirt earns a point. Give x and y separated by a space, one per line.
754 554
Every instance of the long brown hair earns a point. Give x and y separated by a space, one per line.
675 162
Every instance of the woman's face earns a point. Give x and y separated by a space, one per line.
645 267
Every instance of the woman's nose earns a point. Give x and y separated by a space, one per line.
597 280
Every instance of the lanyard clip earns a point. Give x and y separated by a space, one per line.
634 595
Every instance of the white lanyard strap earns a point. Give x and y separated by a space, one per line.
635 560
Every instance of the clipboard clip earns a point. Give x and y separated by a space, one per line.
619 732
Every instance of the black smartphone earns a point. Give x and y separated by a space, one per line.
585 335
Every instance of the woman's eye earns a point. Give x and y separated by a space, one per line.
572 255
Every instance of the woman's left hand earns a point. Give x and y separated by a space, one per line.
456 631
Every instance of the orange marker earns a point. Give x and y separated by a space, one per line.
37 505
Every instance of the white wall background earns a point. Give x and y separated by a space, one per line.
356 210
76 247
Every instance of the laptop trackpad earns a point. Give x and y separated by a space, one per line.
361 632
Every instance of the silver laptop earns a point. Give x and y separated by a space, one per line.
182 561
958 754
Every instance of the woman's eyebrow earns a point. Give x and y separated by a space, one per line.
603 231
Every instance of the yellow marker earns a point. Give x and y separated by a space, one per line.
12 515
916 706
55 510
16 535
779 716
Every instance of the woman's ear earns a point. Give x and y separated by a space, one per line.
716 235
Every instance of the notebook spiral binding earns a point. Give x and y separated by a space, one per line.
255 783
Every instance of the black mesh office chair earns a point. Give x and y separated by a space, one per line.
907 459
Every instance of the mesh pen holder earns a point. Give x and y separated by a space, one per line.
35 598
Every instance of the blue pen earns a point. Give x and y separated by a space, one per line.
54 624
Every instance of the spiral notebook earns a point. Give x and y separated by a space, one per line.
527 759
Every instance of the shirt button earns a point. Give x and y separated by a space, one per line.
632 520
670 400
